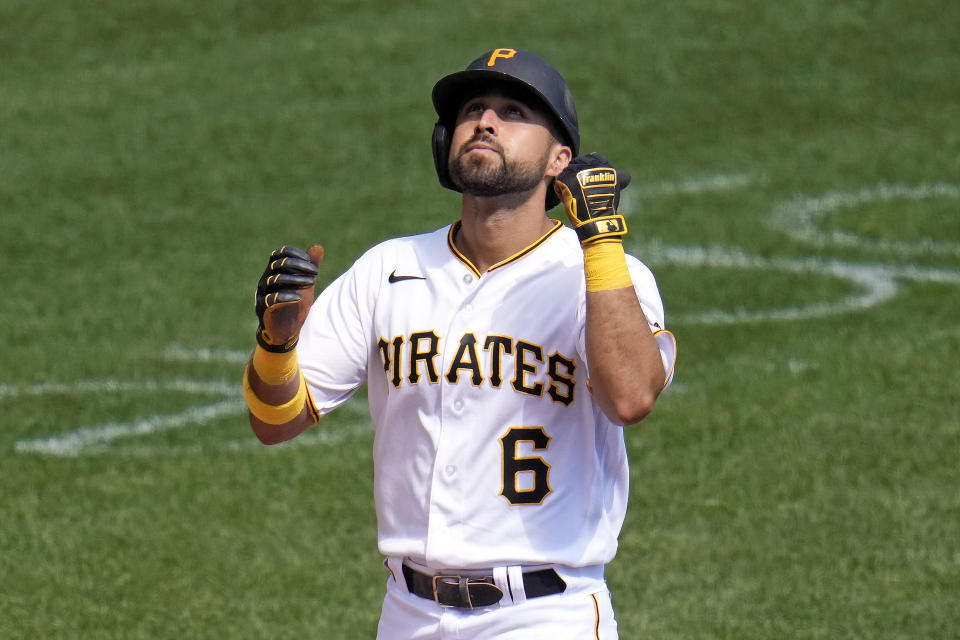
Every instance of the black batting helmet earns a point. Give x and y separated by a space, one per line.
514 70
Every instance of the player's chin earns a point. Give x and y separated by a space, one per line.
477 175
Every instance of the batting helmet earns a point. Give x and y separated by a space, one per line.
513 70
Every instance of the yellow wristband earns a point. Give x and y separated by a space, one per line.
275 368
605 266
274 414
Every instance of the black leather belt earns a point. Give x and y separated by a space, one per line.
468 593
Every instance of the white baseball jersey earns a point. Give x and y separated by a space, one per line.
488 446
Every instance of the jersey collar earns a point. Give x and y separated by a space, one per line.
455 228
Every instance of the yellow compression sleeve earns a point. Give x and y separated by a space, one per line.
275 368
605 266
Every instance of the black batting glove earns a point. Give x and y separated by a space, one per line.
284 296
589 189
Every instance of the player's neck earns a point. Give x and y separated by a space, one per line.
493 229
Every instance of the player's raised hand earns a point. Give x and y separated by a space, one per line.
589 189
284 296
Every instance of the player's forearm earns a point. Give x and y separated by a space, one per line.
275 434
276 396
273 385
626 371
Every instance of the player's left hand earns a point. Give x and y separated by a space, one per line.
589 189
284 296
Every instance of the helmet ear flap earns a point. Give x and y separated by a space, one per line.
441 155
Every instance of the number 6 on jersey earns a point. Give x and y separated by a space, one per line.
514 466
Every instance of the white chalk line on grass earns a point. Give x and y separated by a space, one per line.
96 438
694 185
231 356
80 439
799 218
686 186
321 434
104 438
85 439
877 283
118 386
99 439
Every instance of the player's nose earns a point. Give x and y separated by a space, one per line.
488 122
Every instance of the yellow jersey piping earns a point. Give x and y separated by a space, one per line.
673 365
455 227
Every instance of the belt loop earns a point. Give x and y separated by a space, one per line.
503 582
515 577
395 565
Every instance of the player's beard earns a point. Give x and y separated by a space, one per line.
485 175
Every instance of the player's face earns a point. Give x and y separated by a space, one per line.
500 145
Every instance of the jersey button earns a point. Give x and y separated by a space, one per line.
458 405
468 279
450 469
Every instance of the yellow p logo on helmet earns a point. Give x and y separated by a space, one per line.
506 54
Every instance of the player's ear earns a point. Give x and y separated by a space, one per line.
561 156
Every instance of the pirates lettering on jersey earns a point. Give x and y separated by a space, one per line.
416 357
466 358
525 353
557 360
497 346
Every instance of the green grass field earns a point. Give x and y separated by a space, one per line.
796 189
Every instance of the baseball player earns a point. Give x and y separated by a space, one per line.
502 355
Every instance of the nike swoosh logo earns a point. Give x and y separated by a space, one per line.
395 278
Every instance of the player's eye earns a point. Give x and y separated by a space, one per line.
514 111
